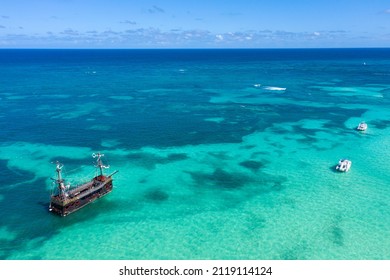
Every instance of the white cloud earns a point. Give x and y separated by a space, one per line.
219 37
178 38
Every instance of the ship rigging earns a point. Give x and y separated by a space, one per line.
67 199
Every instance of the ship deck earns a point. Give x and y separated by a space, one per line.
81 191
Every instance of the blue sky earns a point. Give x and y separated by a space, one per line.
194 23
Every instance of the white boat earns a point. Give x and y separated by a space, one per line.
362 126
344 165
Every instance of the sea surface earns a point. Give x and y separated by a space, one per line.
222 154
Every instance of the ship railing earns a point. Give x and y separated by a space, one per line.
78 193
82 191
80 188
100 186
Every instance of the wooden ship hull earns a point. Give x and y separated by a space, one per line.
65 202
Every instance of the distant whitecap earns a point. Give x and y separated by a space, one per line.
275 88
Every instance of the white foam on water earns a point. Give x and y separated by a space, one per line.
275 88
251 95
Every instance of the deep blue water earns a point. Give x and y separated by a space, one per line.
92 76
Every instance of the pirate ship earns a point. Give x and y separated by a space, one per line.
66 199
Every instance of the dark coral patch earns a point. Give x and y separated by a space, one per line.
337 235
176 157
150 160
380 124
253 165
156 195
221 179
13 175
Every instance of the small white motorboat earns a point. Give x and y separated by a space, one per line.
344 165
362 126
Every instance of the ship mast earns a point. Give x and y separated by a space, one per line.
99 162
59 180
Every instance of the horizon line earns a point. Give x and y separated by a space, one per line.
195 48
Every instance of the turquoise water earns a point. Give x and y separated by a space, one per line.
222 154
